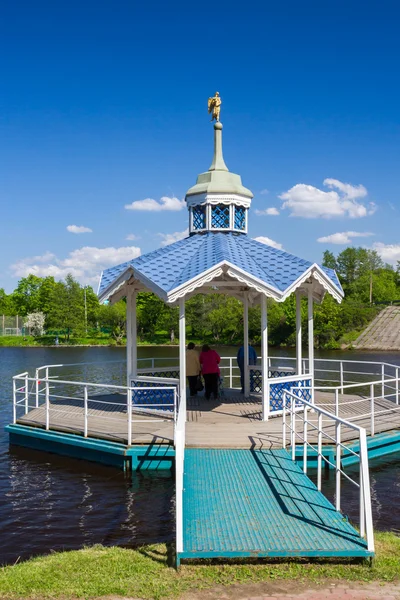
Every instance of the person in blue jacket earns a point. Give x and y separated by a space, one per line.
240 362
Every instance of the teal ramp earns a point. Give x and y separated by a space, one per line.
258 503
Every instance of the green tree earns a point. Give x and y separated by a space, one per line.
329 260
114 318
67 308
26 296
5 303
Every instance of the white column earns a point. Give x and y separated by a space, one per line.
246 344
182 354
134 335
310 332
128 336
298 333
264 358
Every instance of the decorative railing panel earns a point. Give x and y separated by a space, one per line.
161 399
276 391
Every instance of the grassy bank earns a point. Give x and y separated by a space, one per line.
99 571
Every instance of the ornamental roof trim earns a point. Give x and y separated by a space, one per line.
177 269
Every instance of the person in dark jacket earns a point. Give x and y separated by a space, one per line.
240 362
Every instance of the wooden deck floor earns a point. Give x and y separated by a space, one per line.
233 423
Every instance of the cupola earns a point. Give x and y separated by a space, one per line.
218 201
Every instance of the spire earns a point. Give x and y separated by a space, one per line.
218 163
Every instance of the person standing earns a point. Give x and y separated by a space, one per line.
193 368
240 362
209 360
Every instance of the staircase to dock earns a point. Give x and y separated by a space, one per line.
259 503
383 333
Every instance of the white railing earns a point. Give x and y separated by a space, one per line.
326 370
80 401
376 380
313 423
179 442
362 400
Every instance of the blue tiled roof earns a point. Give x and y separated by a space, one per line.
170 267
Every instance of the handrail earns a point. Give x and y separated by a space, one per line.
128 405
290 405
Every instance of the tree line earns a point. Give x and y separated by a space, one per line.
73 313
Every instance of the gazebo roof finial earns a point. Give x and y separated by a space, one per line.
214 107
218 163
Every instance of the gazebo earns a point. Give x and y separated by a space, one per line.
218 256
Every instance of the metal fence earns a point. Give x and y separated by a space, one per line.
12 325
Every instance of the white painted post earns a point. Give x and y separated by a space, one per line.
47 396
128 336
14 401
341 377
397 386
304 366
336 402
129 409
264 358
305 431
362 501
383 380
298 334
293 427
26 394
246 345
134 336
372 410
182 355
230 372
311 337
319 458
37 387
367 490
284 420
338 464
85 408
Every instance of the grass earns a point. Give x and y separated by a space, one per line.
98 571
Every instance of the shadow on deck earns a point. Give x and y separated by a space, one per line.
259 503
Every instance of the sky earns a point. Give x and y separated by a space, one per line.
104 104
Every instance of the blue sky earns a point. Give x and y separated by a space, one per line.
103 104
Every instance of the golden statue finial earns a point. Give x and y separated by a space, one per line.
214 106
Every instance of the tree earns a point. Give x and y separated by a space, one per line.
149 309
35 323
66 307
113 317
26 296
5 303
329 260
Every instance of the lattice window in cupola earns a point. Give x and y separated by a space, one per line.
199 217
240 218
220 217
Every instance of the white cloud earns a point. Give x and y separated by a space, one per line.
272 211
345 237
150 205
170 238
310 202
350 191
264 192
78 229
269 242
85 264
389 253
131 237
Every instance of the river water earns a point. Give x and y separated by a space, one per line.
49 502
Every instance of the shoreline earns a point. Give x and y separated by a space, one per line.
348 349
